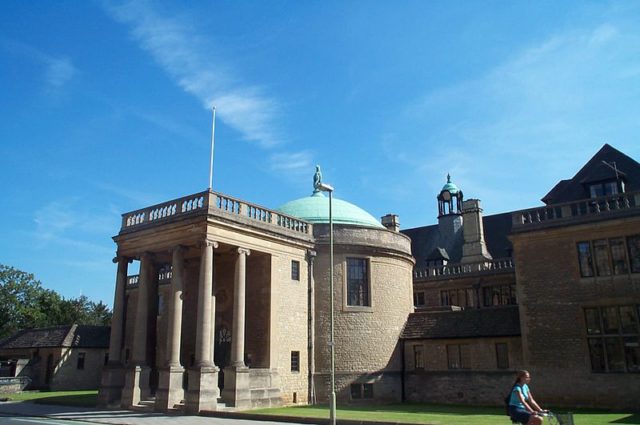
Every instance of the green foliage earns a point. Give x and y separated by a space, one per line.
24 303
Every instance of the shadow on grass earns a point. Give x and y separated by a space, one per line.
81 400
631 419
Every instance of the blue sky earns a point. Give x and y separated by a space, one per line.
104 109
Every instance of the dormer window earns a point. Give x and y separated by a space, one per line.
605 189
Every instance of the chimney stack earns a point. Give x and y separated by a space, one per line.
391 222
474 249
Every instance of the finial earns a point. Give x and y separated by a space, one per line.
317 180
448 178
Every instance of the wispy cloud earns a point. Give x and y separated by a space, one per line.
67 224
191 61
57 70
291 162
565 95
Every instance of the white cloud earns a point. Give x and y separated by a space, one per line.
58 70
292 162
192 62
530 116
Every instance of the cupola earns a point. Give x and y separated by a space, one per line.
450 199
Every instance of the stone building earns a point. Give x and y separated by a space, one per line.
554 289
57 358
231 305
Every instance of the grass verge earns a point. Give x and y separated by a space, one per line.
66 398
411 413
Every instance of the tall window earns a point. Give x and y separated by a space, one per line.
606 257
418 357
502 355
458 297
295 270
295 361
613 337
418 299
458 356
633 242
499 295
80 364
357 282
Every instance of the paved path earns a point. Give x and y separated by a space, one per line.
119 417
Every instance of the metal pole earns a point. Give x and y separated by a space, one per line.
332 413
213 135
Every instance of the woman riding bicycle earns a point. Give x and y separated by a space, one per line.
522 407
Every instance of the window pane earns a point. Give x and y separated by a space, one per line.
454 297
601 254
592 319
633 242
610 322
295 270
618 256
357 282
367 390
596 352
513 299
628 321
418 359
615 354
584 258
444 298
453 356
596 190
502 355
632 353
471 298
295 361
465 356
356 391
610 188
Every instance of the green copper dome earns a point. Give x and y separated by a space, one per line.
315 209
450 187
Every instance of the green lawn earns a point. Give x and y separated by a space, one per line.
67 398
443 414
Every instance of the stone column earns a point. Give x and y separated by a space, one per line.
239 307
170 391
236 378
311 302
136 386
112 378
203 390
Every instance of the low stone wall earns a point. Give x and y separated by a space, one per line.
13 385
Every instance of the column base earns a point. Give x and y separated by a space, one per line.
111 384
237 392
170 391
203 391
136 386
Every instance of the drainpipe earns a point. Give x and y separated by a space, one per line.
311 255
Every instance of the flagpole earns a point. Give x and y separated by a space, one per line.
213 134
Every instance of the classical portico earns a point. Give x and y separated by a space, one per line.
200 323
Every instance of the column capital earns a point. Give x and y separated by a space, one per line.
179 248
209 242
244 251
147 255
119 258
311 254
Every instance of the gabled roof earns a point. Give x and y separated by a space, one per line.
80 336
599 168
470 323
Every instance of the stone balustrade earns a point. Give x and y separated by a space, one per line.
585 208
436 272
211 202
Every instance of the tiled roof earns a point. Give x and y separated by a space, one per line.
471 323
425 240
81 336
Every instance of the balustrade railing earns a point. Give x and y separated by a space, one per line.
498 264
584 208
206 201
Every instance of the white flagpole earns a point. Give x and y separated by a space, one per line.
213 134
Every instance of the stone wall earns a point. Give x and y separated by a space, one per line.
553 296
367 338
68 377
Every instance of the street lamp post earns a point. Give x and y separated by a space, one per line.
332 402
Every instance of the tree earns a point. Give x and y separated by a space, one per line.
24 303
